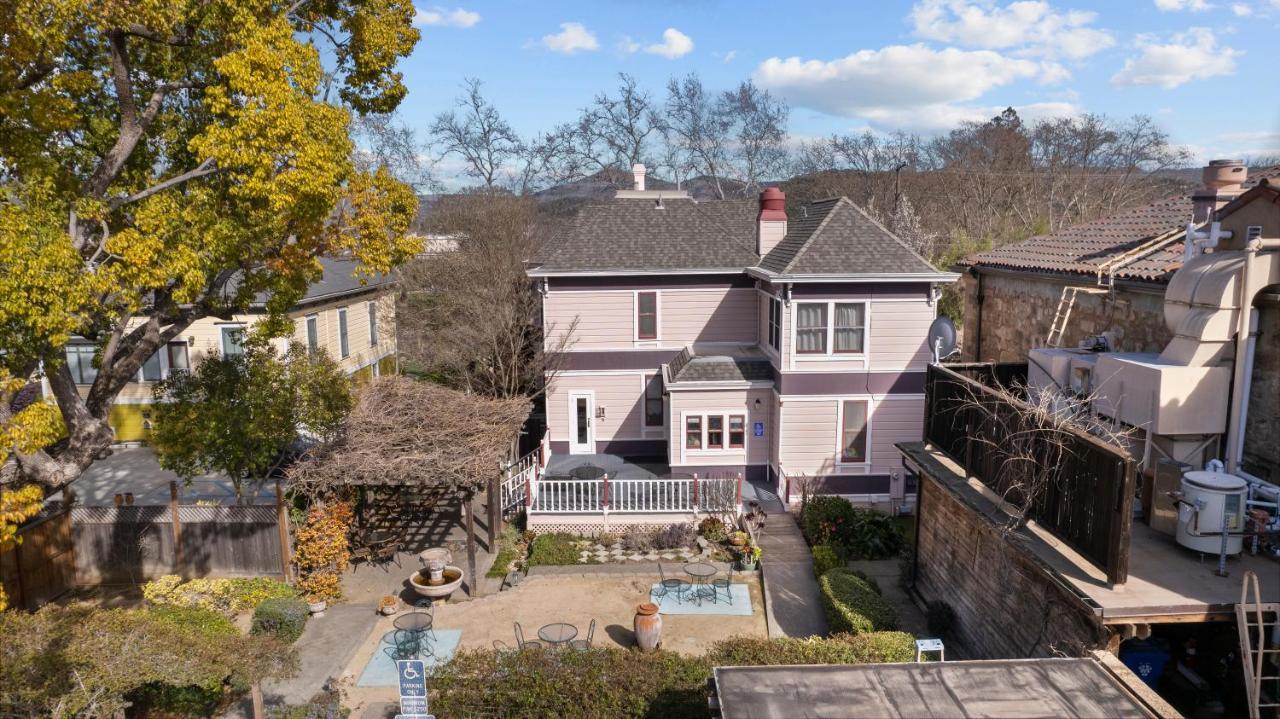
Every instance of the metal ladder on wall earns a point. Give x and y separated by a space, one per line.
1257 622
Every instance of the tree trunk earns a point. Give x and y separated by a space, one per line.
468 505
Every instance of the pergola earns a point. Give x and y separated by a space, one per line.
409 436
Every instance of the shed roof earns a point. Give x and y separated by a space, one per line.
1089 246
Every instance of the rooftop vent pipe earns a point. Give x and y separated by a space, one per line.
638 172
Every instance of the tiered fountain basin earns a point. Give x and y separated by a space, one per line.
437 579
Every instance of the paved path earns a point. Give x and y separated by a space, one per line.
793 603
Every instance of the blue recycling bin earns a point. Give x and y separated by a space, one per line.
1145 657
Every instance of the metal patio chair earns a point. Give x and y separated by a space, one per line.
583 645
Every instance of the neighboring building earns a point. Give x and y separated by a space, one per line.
1108 278
354 322
724 337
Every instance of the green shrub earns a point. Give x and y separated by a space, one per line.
868 648
852 605
940 618
712 529
327 704
248 592
827 519
871 581
637 539
281 618
228 596
605 682
863 533
553 549
825 558
204 621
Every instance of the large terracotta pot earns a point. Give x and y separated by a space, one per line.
648 626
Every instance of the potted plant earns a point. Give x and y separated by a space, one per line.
316 605
739 539
388 605
750 555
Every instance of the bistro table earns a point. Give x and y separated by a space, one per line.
416 624
586 472
700 572
558 634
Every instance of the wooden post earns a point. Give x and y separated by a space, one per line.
468 505
259 708
495 510
178 559
282 525
695 491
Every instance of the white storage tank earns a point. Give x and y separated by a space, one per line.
1214 493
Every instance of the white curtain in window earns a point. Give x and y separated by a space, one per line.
850 321
811 328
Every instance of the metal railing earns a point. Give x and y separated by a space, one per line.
573 496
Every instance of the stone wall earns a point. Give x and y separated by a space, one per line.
1261 448
1018 311
1006 605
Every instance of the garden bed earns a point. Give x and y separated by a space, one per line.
709 541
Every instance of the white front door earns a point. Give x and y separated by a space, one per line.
582 431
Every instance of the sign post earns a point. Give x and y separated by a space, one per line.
413 689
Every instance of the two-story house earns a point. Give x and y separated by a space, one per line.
725 337
352 320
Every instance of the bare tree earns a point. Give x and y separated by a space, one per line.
694 125
384 140
759 127
476 132
470 319
616 131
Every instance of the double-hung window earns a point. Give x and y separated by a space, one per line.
646 315
167 360
179 359
853 431
80 362
850 327
775 323
737 431
344 347
653 410
811 327
715 431
373 324
151 369
693 432
232 340
313 334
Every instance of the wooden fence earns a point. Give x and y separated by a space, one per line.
42 566
1087 501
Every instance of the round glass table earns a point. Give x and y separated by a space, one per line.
557 634
587 471
700 572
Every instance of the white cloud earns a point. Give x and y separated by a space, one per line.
895 80
728 57
937 118
439 16
573 37
674 44
1179 5
1033 27
1241 10
1190 55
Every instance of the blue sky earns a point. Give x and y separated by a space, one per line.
1204 69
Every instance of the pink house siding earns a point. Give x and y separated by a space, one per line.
688 316
809 441
606 318
899 329
740 401
621 396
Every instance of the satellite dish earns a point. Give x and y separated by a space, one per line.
942 339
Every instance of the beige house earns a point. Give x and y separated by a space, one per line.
354 323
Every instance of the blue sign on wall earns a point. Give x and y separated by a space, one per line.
757 429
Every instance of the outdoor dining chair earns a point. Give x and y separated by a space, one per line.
669 584
726 584
583 645
520 641
407 645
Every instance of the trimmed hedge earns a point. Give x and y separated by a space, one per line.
825 558
282 618
868 648
852 605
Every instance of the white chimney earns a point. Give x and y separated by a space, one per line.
771 223
1220 184
638 172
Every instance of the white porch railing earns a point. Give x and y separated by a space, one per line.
520 480
571 496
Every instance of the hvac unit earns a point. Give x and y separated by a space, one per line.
1209 498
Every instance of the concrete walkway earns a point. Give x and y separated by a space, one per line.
794 606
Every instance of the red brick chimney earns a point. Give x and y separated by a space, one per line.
1220 184
771 226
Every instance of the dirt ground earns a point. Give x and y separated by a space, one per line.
611 601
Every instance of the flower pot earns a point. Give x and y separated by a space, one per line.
746 566
737 541
648 627
317 607
388 611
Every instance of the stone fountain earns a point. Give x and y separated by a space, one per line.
437 578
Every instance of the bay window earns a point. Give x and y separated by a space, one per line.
708 431
853 431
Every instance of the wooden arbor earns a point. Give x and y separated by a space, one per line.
420 436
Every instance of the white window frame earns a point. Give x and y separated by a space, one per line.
775 328
645 379
372 309
79 361
589 447
839 456
309 323
344 342
222 335
166 367
657 317
725 449
831 331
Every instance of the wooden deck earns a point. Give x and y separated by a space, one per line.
1166 583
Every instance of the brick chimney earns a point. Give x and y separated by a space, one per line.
638 172
1220 184
771 226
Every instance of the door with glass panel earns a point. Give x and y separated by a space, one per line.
582 423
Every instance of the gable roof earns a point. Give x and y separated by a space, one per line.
1089 247
835 236
635 234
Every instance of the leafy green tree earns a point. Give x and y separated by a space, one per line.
239 414
162 161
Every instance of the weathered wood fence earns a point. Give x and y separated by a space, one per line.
126 545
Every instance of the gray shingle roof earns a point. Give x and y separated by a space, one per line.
634 234
338 279
835 236
724 369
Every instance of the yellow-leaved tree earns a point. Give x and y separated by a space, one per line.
167 160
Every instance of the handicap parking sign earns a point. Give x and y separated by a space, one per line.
413 688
